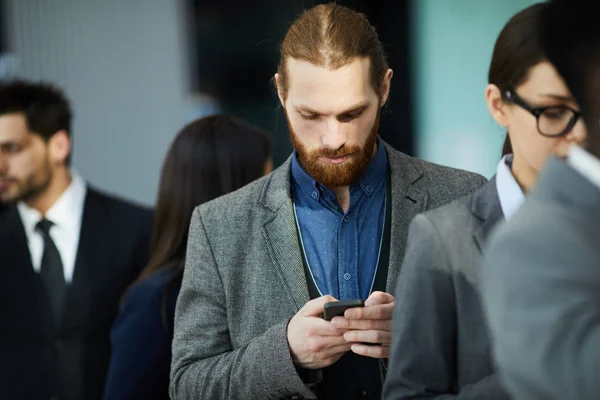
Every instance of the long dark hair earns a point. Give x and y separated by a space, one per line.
210 157
518 48
571 40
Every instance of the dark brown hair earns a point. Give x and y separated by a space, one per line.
44 106
571 38
518 48
210 157
329 35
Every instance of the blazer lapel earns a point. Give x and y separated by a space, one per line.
486 206
15 252
279 230
16 268
13 242
407 202
80 291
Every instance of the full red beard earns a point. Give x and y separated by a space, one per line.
336 175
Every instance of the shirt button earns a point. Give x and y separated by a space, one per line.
369 188
347 276
346 219
315 195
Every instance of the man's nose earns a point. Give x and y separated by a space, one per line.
334 137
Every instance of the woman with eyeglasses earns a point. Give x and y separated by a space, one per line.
440 342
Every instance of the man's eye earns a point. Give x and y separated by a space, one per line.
349 117
12 148
309 117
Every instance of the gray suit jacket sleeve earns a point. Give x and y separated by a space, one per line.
204 364
423 360
541 286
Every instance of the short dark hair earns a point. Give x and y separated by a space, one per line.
45 107
518 48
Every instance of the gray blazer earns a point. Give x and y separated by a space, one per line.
542 290
440 345
244 280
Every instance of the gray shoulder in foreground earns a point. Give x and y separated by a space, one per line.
445 184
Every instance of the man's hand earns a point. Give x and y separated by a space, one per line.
369 324
314 342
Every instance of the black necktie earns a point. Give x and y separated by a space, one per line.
52 271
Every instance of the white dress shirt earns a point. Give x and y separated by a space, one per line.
584 163
509 192
65 214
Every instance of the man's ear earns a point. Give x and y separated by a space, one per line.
385 86
60 147
280 93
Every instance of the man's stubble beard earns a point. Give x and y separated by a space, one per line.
30 188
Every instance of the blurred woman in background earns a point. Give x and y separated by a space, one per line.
210 157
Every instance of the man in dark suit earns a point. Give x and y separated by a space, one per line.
542 272
67 252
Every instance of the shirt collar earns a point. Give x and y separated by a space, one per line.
376 170
61 213
371 177
509 192
585 164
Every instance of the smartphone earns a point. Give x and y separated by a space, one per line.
335 308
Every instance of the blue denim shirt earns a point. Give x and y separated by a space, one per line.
342 249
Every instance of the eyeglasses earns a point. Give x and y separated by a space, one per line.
552 121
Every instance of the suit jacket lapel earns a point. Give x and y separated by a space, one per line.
16 265
279 230
16 250
79 293
407 202
14 246
486 206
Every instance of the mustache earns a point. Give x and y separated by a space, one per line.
341 152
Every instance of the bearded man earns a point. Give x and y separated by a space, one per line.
329 224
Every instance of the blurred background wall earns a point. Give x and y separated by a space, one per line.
136 71
123 65
452 44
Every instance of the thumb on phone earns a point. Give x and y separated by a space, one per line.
315 307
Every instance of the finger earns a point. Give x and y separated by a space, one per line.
383 311
322 344
315 307
378 297
373 336
371 351
362 324
316 326
342 348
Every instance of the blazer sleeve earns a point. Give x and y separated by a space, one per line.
140 348
423 354
205 366
542 296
